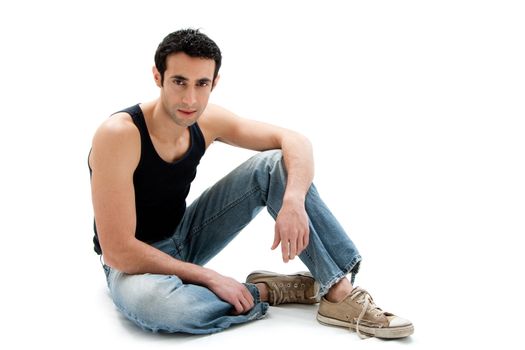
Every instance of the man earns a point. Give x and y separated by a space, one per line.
142 162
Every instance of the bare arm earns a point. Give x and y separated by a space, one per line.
114 157
291 226
291 229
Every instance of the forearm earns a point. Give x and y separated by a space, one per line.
299 163
291 224
136 257
139 258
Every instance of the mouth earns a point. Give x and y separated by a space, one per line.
187 112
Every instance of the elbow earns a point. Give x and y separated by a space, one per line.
305 142
112 261
303 139
115 262
295 138
120 259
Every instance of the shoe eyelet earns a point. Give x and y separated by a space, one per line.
289 285
296 285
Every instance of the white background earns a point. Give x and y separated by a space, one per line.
416 112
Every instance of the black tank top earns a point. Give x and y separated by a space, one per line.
161 188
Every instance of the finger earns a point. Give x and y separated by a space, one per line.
293 249
300 245
249 297
238 308
285 251
242 301
246 305
276 239
306 238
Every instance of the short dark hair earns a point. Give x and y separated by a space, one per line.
190 41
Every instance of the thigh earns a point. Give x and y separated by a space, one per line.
224 209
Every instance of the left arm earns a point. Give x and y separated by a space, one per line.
291 226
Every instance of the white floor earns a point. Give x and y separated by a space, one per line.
286 326
70 306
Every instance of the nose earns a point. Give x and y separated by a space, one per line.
190 96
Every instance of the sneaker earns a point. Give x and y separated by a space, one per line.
299 288
359 312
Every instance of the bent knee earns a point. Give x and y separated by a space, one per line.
267 160
272 154
162 305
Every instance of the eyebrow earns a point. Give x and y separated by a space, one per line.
183 78
179 77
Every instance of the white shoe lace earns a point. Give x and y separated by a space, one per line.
364 298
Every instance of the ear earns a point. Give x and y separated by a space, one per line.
156 76
215 81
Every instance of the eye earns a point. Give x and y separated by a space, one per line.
179 82
203 84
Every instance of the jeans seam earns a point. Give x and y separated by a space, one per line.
305 252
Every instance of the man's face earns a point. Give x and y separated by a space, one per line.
186 88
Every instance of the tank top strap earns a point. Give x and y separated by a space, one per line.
138 118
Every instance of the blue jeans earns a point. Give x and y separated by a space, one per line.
164 303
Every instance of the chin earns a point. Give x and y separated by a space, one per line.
184 122
187 123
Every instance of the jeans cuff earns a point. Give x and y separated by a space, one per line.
352 268
254 291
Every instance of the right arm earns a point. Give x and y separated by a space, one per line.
114 156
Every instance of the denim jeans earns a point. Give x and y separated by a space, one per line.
164 303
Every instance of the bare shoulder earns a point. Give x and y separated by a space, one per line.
116 140
214 110
223 125
118 125
215 119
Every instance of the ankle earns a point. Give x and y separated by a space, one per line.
339 291
263 291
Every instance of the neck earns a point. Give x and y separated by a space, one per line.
161 126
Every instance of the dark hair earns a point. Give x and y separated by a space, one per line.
190 41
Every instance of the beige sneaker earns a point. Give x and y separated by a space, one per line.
300 287
359 312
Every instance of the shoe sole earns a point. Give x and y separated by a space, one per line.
264 273
387 333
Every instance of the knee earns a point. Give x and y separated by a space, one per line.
273 155
149 303
266 165
268 160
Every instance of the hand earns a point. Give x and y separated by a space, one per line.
233 292
291 230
